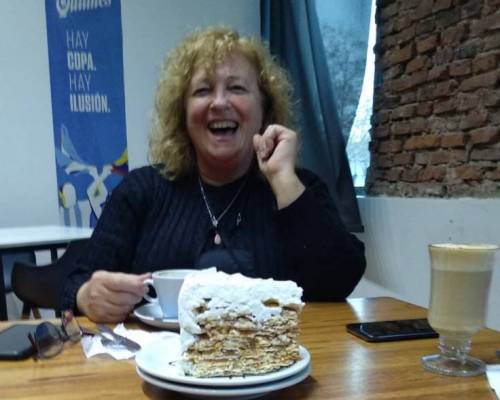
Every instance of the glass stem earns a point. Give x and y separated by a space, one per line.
455 347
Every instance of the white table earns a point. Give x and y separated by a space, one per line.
31 238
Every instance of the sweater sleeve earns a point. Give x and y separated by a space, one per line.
319 253
113 241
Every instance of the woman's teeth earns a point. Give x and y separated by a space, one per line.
223 127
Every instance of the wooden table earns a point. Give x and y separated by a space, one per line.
32 238
343 366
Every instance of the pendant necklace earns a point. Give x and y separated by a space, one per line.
215 220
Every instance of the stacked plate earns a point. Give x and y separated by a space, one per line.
157 365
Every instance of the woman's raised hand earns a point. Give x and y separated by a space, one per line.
276 152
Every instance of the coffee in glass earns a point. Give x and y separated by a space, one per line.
460 281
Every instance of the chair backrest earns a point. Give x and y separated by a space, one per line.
40 286
8 260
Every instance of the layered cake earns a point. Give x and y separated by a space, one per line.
231 325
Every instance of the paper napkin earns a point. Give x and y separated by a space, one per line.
92 345
493 374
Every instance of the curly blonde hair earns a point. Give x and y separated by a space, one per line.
169 144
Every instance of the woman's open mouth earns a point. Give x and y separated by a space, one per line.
225 127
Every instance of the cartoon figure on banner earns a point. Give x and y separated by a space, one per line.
83 195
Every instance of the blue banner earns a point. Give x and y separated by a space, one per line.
88 104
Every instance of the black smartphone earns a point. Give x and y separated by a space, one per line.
384 331
14 342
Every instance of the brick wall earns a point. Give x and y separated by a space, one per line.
436 121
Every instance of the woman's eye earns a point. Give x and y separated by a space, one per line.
238 88
201 91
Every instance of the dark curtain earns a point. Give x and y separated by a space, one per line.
292 30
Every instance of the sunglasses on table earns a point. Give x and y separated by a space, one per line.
48 339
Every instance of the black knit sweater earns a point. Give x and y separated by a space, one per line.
152 223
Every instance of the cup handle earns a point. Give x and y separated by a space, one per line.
147 297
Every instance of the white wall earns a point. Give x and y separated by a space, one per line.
28 187
397 232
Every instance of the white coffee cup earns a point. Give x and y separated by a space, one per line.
167 284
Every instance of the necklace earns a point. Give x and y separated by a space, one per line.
215 220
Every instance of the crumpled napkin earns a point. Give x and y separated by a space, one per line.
493 375
92 344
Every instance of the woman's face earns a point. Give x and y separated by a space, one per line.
223 112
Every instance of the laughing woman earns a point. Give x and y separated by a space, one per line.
223 189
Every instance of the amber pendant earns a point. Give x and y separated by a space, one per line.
217 239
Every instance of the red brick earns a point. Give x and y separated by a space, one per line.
495 174
491 154
424 109
409 97
409 81
393 72
488 79
422 142
458 157
469 49
386 28
448 17
492 98
485 62
423 9
393 174
445 89
486 135
402 23
406 111
383 161
443 55
474 119
460 68
471 9
432 173
453 35
439 72
427 44
389 11
426 26
491 22
492 42
422 157
493 2
467 101
403 158
439 157
469 172
441 5
381 131
418 125
400 128
453 140
390 146
401 54
416 64
406 34
441 107
410 175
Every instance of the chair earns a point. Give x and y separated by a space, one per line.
8 260
40 286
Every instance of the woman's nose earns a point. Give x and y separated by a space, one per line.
220 100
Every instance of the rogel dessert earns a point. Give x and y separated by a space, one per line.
232 325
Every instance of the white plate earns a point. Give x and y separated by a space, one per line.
151 314
159 359
228 393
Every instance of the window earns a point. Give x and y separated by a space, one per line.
349 32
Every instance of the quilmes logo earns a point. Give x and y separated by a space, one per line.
64 7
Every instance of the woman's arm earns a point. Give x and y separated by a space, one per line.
319 254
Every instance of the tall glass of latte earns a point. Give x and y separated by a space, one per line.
460 280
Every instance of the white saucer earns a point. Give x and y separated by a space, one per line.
151 314
228 393
160 360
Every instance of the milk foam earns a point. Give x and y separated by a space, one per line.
462 257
